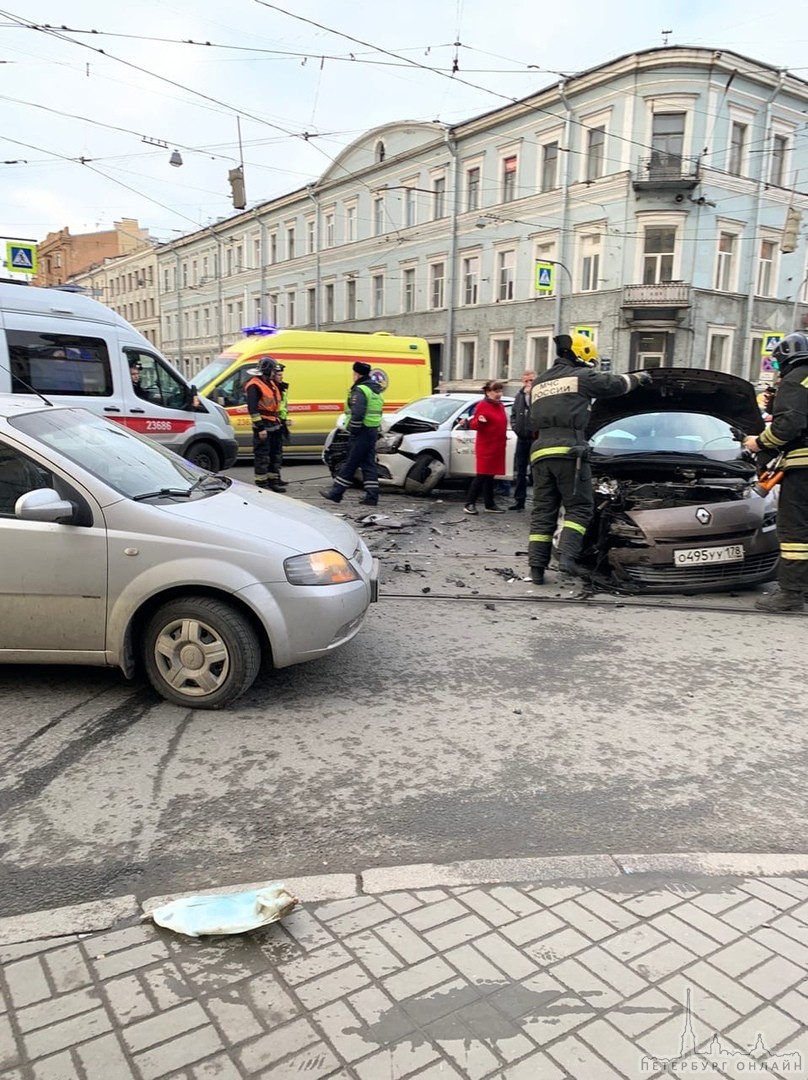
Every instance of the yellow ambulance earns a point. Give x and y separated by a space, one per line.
318 370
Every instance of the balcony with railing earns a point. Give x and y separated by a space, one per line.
665 294
666 172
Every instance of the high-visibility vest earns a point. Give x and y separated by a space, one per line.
375 406
269 404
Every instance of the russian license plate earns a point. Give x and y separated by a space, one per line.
708 556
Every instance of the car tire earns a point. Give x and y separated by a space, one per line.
205 456
200 652
424 475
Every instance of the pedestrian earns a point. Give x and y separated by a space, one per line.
490 421
520 422
559 411
283 412
787 435
364 415
264 406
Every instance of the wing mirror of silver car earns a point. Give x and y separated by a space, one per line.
44 504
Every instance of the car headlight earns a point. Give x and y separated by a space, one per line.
388 444
319 568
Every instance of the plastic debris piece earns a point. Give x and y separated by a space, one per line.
233 913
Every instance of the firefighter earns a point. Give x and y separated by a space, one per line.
363 411
264 406
560 402
283 412
787 435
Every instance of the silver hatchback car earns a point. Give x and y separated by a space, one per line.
117 552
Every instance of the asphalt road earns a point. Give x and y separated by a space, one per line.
505 721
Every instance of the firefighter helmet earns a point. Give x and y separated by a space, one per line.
584 349
267 367
791 350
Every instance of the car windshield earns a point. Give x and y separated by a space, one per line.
668 433
209 373
434 409
129 463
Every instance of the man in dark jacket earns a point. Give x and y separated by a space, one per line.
363 416
787 435
520 422
561 400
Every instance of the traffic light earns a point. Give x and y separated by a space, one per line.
236 178
791 231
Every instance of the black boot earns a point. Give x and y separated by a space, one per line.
275 485
368 501
568 565
333 494
781 600
537 575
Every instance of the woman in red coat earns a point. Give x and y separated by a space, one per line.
490 421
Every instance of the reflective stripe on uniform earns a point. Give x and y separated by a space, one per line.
550 451
540 538
575 526
796 457
767 439
794 550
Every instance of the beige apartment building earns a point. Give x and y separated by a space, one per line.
61 256
128 285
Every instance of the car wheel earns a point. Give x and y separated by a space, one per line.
200 652
205 456
425 474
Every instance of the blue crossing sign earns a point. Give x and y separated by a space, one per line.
769 343
21 258
545 277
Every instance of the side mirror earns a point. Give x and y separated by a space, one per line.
45 504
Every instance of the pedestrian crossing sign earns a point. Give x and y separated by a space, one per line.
586 331
770 343
545 277
21 258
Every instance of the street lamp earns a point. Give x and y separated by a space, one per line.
484 219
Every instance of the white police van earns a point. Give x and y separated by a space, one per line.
70 349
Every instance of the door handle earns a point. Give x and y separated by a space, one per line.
137 410
111 408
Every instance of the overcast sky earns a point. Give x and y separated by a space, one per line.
281 78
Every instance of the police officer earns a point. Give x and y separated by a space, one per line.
788 435
364 413
560 402
264 406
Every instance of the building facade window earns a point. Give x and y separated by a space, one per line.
549 166
595 153
766 261
437 285
350 299
311 236
719 348
737 148
350 224
378 216
273 248
538 351
726 261
506 274
328 293
274 309
778 165
409 207
471 279
466 359
473 188
501 358
439 198
377 286
658 254
257 254
590 263
311 305
667 143
290 307
509 178
330 231
290 242
409 289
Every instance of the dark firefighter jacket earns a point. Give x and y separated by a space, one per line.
788 431
560 403
264 404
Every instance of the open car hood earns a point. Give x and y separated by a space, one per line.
696 390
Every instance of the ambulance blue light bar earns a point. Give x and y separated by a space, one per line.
261 330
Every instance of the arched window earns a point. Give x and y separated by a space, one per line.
379 152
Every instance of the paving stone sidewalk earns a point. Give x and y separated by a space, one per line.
596 980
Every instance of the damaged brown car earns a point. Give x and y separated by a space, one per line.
677 508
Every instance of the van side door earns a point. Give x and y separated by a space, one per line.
157 402
66 368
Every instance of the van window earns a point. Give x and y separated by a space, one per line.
157 383
56 364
